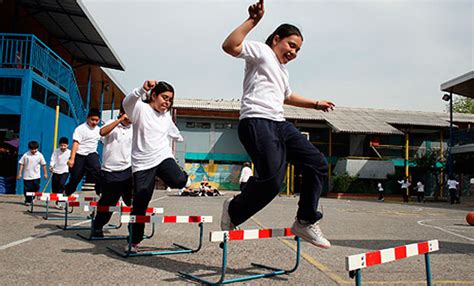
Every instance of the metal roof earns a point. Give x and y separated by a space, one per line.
462 85
344 119
70 22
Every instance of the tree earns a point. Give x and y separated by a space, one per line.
463 104
426 162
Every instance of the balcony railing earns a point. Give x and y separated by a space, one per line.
24 51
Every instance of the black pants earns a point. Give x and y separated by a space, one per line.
405 195
242 185
380 195
144 184
89 163
58 182
114 185
453 194
30 186
421 196
270 144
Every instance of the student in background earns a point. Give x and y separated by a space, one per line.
30 165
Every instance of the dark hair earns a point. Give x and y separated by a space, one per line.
93 112
161 87
63 140
246 164
33 145
283 31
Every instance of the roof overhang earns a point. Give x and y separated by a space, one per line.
461 85
72 25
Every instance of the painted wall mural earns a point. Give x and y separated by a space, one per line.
220 176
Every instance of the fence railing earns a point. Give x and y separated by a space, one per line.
25 51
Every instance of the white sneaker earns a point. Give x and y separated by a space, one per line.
226 223
134 249
189 182
311 233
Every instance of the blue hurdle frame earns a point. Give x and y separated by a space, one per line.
357 273
47 212
222 280
109 226
181 249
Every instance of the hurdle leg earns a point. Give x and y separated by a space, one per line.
428 269
66 217
92 237
201 230
223 269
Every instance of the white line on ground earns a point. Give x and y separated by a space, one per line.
33 237
422 222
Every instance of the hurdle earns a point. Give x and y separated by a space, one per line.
355 263
71 204
153 219
49 197
225 236
95 208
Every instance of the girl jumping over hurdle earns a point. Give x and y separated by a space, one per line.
151 152
269 140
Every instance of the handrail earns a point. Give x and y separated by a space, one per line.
26 51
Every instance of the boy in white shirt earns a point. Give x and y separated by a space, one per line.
453 186
84 155
420 191
58 166
30 163
116 167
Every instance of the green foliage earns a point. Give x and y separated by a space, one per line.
343 182
463 104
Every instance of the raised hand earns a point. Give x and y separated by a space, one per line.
256 11
325 105
149 84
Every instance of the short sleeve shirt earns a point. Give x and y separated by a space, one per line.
87 137
31 165
266 83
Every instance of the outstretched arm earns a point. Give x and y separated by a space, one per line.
105 130
300 101
130 100
233 43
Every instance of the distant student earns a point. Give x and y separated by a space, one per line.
58 166
420 191
84 155
245 174
404 185
381 191
30 163
116 167
453 186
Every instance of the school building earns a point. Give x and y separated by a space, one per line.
372 144
52 56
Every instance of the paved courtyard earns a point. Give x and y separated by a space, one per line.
35 251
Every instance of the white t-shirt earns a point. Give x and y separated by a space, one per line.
31 165
266 83
404 184
87 137
151 129
471 181
452 184
59 161
245 174
420 187
379 185
117 151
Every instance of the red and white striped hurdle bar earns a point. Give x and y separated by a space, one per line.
250 234
364 260
52 197
165 219
78 203
123 209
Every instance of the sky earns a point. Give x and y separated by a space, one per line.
374 54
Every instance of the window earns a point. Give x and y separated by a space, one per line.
203 125
38 92
52 99
63 106
190 124
10 86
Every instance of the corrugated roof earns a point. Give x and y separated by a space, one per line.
70 23
462 85
344 119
